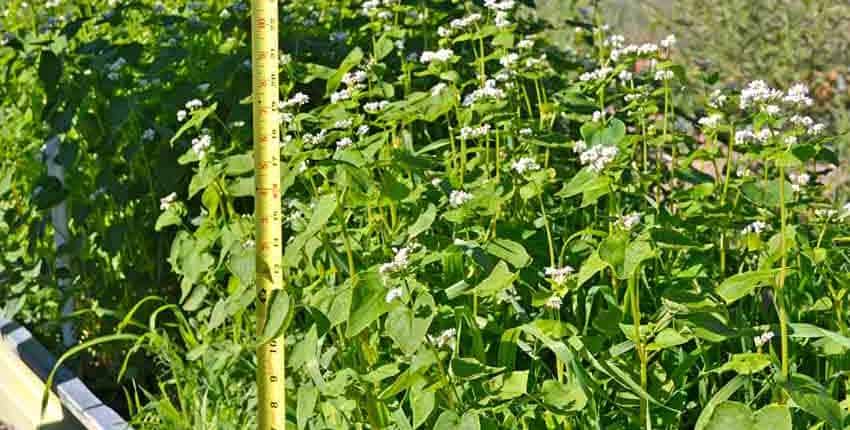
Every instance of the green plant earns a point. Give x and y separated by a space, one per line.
482 228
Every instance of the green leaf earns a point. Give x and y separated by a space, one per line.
367 305
824 408
383 47
611 135
667 338
408 327
613 251
239 164
773 417
742 284
746 363
731 415
306 402
448 420
352 59
324 209
593 265
423 223
278 311
636 253
508 250
499 280
566 397
767 194
719 397
422 401
195 121
49 71
509 386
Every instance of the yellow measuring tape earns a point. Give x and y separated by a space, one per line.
264 59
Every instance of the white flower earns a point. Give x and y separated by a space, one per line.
352 79
598 116
375 107
444 31
117 65
385 15
203 87
817 129
344 142
579 146
440 56
664 75
194 104
286 117
437 89
711 121
502 20
459 197
436 182
400 260
553 303
758 92
802 121
668 42
148 134
362 130
559 275
446 338
509 60
369 5
798 181
525 43
629 221
596 75
826 213
614 41
200 144
167 201
113 76
525 132
466 21
597 157
525 164
489 91
772 110
743 136
764 135
798 95
344 123
790 140
340 95
755 227
499 5
625 76
299 99
717 99
316 139
393 294
763 338
181 115
473 132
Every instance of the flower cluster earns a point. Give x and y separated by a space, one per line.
459 197
201 144
559 275
400 260
473 132
763 339
629 221
167 201
445 339
525 164
598 156
755 227
488 92
440 56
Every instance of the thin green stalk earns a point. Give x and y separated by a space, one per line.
780 291
639 346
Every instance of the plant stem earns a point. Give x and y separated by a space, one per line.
780 299
639 347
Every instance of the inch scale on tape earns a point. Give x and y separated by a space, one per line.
265 58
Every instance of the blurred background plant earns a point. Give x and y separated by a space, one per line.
779 41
